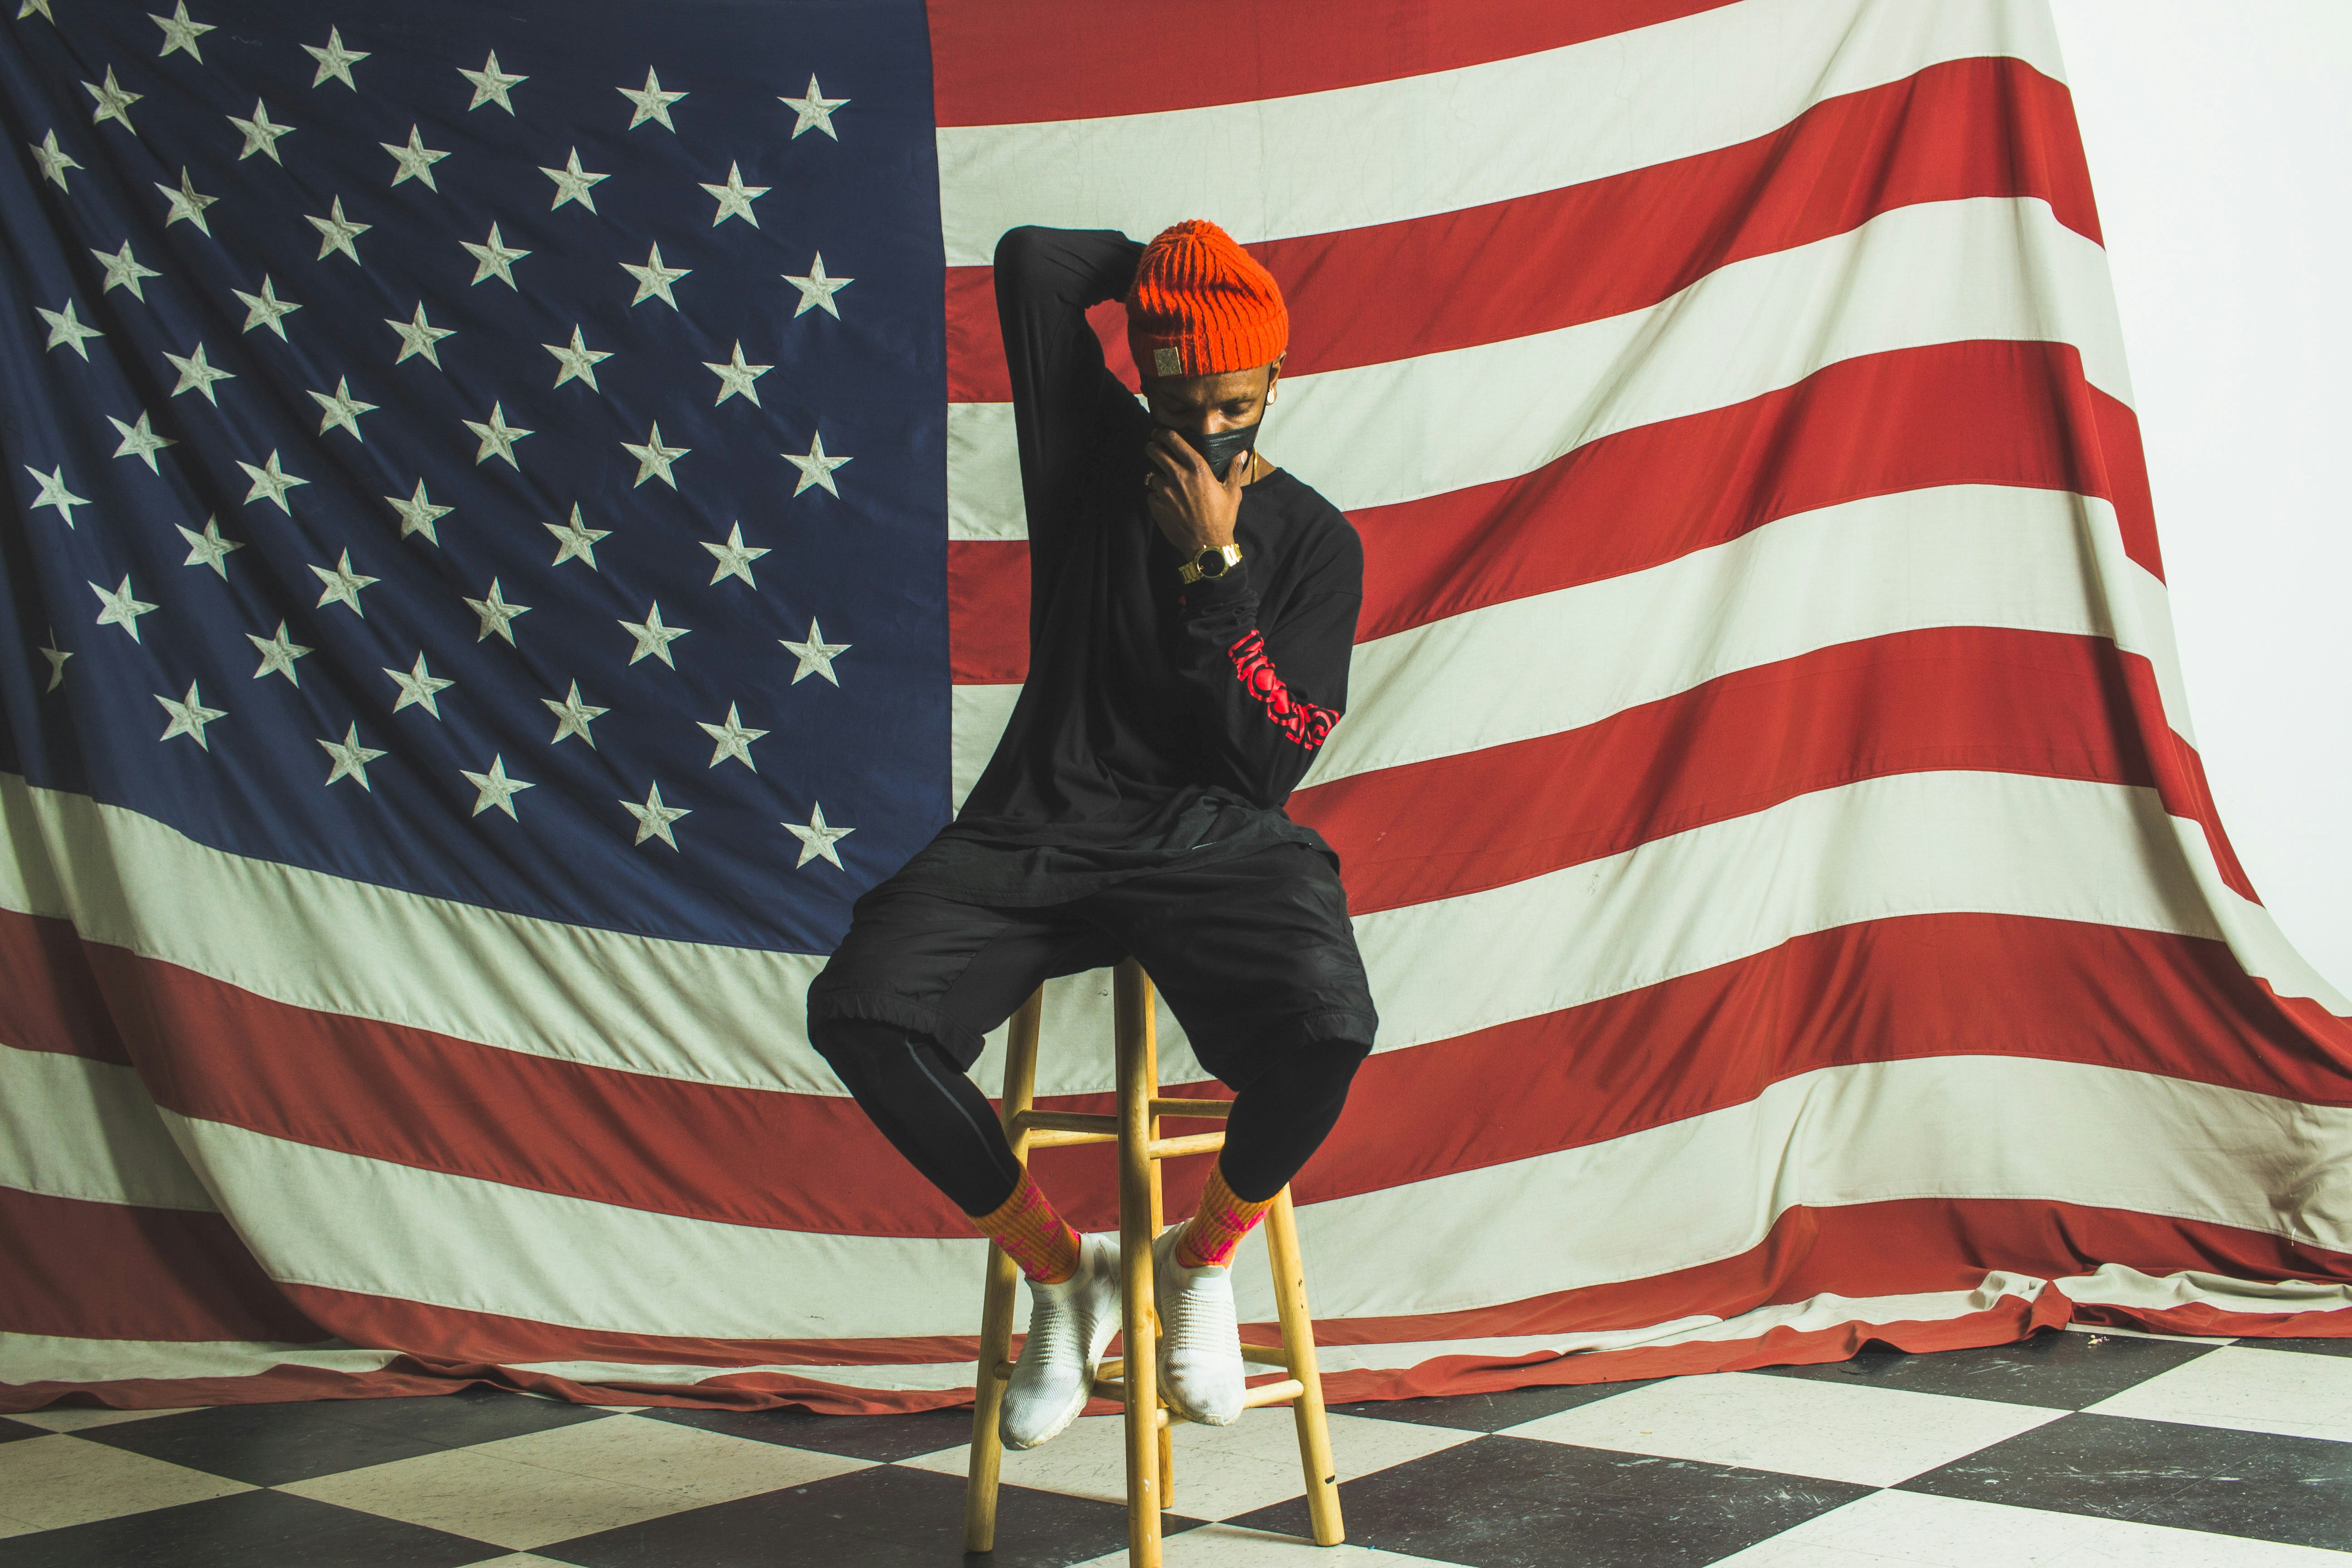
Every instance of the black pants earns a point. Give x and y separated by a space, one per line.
1255 957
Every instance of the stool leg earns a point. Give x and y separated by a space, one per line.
996 1299
1143 1374
1159 1223
1298 1346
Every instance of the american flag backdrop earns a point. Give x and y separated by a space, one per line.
513 524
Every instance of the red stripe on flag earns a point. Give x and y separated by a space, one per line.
1973 984
988 611
116 1271
1967 128
1081 59
1978 698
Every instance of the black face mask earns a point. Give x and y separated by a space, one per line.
1221 447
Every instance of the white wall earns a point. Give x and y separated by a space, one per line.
2220 137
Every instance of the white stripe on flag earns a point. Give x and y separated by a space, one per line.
74 1128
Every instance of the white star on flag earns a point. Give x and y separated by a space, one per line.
653 279
123 273
197 375
417 514
56 657
579 361
816 108
496 789
496 615
733 377
277 656
498 436
734 558
113 102
208 548
270 481
816 468
340 585
652 102
654 458
572 183
417 686
342 408
260 135
816 655
351 758
817 290
186 204
336 232
653 818
575 539
266 308
733 739
415 160
335 60
572 716
120 609
491 86
419 336
53 162
189 717
816 839
180 33
496 258
141 442
653 638
54 492
735 198
66 328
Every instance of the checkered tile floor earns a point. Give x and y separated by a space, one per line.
2075 1449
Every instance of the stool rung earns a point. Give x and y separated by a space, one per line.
1061 1140
1192 1143
1066 1122
1264 1393
1266 1355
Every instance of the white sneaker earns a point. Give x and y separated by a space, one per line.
1199 1340
1069 1325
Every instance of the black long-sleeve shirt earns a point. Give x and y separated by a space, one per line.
1161 724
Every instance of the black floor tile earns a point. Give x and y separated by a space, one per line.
1514 1502
1488 1412
269 1444
2293 1489
2057 1370
11 1430
879 1437
2308 1347
885 1517
242 1531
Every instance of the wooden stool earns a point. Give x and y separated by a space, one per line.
1134 1378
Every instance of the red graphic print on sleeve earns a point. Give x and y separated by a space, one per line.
1302 722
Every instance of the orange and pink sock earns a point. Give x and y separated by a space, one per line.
1218 1225
1032 1233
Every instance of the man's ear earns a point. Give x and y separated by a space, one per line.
1274 374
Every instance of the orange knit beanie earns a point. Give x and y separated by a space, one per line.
1201 305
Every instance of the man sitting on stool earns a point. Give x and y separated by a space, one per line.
1191 610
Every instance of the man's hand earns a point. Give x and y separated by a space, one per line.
1191 506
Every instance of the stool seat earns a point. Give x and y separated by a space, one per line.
1133 1378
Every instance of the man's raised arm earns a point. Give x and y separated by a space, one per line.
1045 281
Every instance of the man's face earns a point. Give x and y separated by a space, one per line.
1205 404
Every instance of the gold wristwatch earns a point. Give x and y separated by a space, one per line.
1225 557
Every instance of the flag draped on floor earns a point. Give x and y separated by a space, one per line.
513 524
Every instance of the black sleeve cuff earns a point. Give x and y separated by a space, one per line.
1211 593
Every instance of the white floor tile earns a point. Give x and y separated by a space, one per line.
61 1419
47 1483
1219 1470
525 1491
1905 1529
2284 1392
1876 1436
1227 1546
